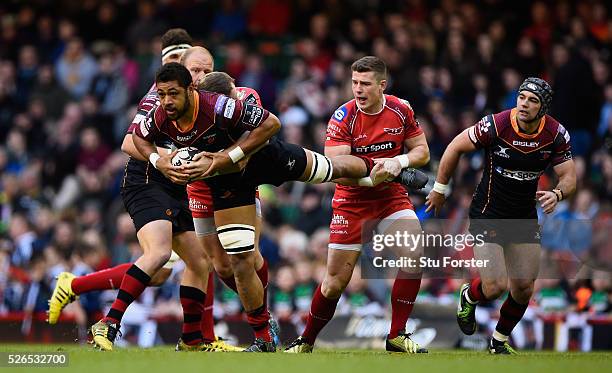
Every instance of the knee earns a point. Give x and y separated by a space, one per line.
241 263
197 262
522 290
494 288
333 286
223 268
158 257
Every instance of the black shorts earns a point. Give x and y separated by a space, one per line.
154 201
275 163
505 231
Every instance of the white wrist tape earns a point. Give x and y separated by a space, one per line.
153 159
365 181
403 160
236 154
440 188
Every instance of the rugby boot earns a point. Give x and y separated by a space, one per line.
61 297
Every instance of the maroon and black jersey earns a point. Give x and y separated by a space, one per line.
514 163
219 122
139 172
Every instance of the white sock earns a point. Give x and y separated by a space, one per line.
500 337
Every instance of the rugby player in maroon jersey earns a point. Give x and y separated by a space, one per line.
519 145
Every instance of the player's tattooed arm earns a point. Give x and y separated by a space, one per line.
461 144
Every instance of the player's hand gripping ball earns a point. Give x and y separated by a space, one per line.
184 156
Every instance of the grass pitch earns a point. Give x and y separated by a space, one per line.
84 359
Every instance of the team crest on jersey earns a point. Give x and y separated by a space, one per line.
394 131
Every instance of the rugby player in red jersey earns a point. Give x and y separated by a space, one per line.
372 125
519 145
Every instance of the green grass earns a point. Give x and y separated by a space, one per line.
164 360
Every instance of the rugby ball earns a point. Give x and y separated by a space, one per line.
184 156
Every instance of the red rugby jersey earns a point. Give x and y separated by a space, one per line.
379 135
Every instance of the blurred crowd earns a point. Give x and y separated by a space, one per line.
72 72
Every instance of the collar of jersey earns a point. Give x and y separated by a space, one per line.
196 104
384 102
517 129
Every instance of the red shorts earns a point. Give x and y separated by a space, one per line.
201 201
349 216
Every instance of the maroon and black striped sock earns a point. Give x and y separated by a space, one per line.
510 314
133 284
192 300
259 320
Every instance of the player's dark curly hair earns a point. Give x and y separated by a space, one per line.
173 72
218 82
175 36
371 63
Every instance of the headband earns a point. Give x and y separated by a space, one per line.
173 48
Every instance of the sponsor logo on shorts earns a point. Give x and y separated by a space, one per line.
377 147
168 212
339 221
518 174
335 231
195 205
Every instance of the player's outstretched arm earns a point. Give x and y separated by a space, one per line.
460 144
566 186
226 160
161 162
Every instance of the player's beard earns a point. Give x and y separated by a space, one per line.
181 112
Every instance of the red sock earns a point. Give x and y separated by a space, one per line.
259 320
208 323
192 300
105 279
133 284
510 314
321 311
230 282
475 291
262 273
403 294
